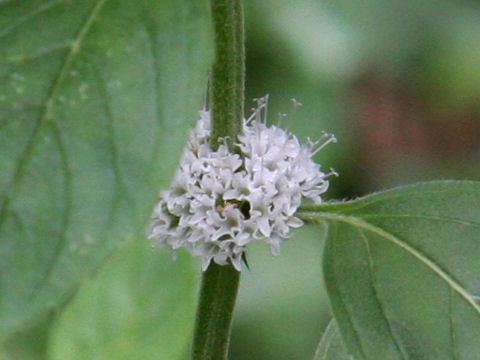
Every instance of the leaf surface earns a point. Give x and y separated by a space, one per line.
140 306
401 269
96 98
331 345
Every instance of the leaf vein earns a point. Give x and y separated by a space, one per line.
422 258
157 81
44 51
61 241
452 325
349 318
329 334
49 105
44 7
115 163
375 291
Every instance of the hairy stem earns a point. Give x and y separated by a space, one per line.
214 313
219 284
228 72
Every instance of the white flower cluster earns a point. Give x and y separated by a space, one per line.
220 201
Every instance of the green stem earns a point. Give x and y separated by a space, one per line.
214 313
219 286
228 71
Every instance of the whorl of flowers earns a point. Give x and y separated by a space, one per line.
220 201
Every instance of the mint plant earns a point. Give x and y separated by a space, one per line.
221 201
96 102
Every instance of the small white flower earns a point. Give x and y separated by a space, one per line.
221 201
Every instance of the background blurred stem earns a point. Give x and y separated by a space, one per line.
219 284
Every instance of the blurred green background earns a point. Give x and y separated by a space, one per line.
398 82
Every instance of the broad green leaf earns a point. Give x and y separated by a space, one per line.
140 306
30 344
96 97
331 345
401 269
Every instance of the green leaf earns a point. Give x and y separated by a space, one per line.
140 306
401 269
331 345
30 344
96 98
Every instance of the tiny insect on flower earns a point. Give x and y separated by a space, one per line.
221 201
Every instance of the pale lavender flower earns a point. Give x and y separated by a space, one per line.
220 201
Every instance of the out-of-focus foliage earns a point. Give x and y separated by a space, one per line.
281 309
140 306
398 82
96 100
